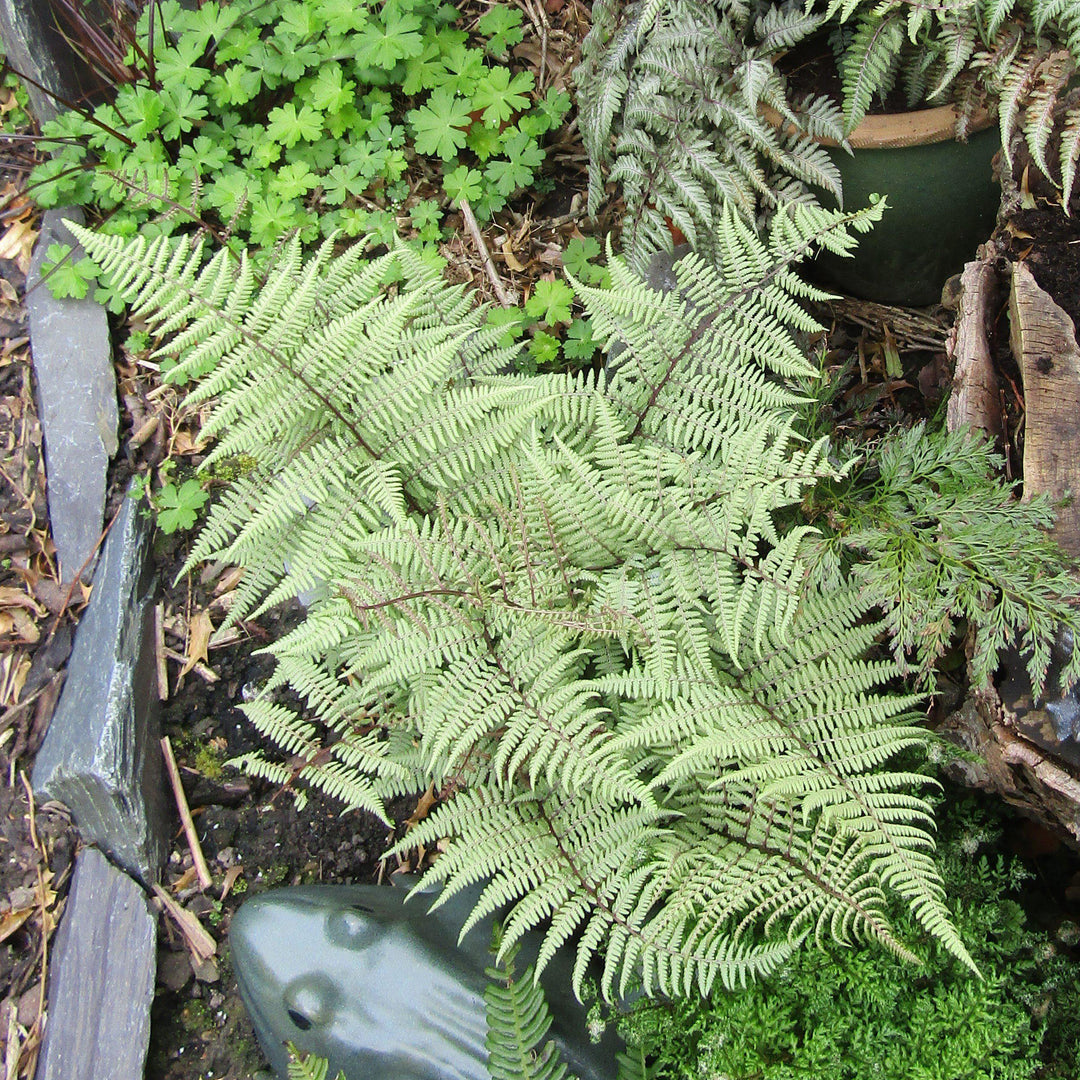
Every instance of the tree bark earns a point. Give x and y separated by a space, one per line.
974 401
1044 343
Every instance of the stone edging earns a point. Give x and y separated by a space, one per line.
100 755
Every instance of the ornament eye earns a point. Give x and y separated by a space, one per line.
310 1001
351 928
302 1022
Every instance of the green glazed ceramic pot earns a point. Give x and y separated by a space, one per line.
943 202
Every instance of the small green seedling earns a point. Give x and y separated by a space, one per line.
178 507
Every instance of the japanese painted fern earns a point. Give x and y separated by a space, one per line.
673 96
670 98
566 600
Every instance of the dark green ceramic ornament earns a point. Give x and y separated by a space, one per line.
381 989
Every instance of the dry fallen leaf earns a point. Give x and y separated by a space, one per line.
230 879
14 668
511 260
18 623
184 442
200 631
18 598
186 880
17 242
229 580
427 801
12 920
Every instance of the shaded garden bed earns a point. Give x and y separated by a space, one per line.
888 367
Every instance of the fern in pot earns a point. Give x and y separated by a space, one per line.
685 103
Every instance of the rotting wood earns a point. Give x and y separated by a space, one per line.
1013 767
1044 343
912 328
974 401
1021 758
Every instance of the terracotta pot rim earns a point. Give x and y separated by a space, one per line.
888 131
893 131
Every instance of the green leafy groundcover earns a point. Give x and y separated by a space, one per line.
305 115
857 1014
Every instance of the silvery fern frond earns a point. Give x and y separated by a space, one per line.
669 101
684 104
577 605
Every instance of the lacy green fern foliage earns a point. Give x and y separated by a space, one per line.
938 542
841 1014
670 94
309 1066
518 1019
565 600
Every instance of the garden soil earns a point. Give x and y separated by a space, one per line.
253 837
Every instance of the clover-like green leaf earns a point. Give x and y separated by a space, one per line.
331 91
66 276
502 27
463 183
439 126
500 96
382 45
550 302
178 507
288 125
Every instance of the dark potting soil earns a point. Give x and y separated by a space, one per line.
253 838
1048 242
810 69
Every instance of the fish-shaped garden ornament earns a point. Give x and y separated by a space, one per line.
380 987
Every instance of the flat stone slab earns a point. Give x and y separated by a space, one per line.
76 391
101 755
382 989
36 48
101 978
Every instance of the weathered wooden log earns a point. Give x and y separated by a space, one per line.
1039 783
974 401
1030 751
1044 343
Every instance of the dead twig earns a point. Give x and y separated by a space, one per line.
30 1044
485 255
199 941
87 562
200 669
201 869
159 653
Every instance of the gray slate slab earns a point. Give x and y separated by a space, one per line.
101 754
101 978
76 391
35 48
